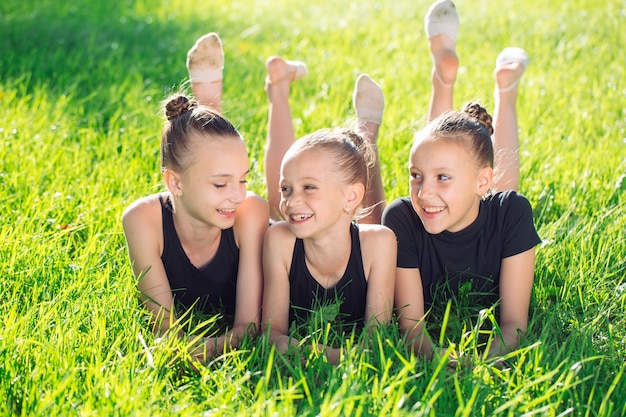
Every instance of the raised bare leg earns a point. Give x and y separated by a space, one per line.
510 66
205 62
369 103
280 132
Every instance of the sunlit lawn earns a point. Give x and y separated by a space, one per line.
80 87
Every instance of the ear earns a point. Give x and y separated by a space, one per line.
173 182
354 195
485 180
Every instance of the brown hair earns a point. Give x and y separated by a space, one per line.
353 156
185 117
472 125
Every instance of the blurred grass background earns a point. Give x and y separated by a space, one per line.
80 87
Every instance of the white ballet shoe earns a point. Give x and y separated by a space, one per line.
368 100
442 19
509 56
205 59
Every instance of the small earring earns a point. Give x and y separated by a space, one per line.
346 209
488 194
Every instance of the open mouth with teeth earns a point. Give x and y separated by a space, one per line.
432 210
296 218
226 212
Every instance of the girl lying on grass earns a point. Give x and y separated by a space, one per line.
318 258
197 247
453 229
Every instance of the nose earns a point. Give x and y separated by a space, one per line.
424 189
238 194
293 200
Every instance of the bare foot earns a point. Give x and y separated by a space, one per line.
281 73
280 70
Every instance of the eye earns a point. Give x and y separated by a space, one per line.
443 177
244 181
309 187
219 185
415 176
285 190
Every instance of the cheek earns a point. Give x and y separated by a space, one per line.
282 205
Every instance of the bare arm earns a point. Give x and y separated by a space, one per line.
409 302
379 248
249 228
144 239
516 282
277 252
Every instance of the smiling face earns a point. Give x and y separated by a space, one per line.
446 185
213 183
313 197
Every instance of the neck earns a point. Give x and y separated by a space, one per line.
327 258
193 233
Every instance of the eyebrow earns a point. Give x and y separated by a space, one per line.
226 175
413 167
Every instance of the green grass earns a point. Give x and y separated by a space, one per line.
80 87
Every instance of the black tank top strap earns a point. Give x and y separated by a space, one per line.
351 289
210 288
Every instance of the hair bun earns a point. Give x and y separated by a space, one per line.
478 112
178 105
362 145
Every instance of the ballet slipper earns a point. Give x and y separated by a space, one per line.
508 59
205 59
368 100
442 19
442 26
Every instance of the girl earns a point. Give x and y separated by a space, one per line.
317 255
198 245
368 101
453 229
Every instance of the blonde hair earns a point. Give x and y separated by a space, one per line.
353 156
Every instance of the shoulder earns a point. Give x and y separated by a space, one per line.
254 206
400 217
399 204
145 211
400 208
143 226
253 212
508 199
279 242
375 234
280 232
507 204
377 239
251 221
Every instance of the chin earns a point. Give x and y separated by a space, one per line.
432 229
299 233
